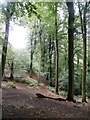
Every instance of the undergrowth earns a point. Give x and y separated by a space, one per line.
11 85
30 83
52 89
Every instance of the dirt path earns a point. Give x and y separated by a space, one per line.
23 103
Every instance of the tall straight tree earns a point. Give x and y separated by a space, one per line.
50 61
40 40
84 33
70 50
5 43
32 48
8 10
31 56
57 55
11 69
43 56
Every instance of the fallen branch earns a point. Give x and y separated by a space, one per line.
39 95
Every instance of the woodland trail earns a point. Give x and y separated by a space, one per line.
23 103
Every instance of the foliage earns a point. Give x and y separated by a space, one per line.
63 93
52 89
11 85
39 18
20 59
30 82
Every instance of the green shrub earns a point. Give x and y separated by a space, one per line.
11 85
30 83
63 93
22 80
52 89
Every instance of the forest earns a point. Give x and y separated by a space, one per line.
50 76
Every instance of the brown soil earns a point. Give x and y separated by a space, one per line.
22 102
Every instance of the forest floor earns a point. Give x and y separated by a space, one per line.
22 102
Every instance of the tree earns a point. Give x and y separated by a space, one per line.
57 55
70 50
50 61
31 56
10 61
12 69
8 10
84 33
4 50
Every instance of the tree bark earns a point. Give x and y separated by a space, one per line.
12 70
84 58
4 49
43 55
57 54
39 95
33 47
50 62
84 33
31 58
40 40
70 50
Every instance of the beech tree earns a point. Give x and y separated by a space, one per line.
57 54
8 14
50 61
54 54
70 6
82 14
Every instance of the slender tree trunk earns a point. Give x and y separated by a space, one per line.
39 65
57 54
65 58
4 49
33 47
84 58
43 56
12 70
70 50
31 58
50 62
84 33
77 62
54 56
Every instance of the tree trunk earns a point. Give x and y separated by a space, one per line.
57 55
84 32
43 56
33 47
4 49
84 58
70 50
31 58
50 62
53 58
39 65
12 71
